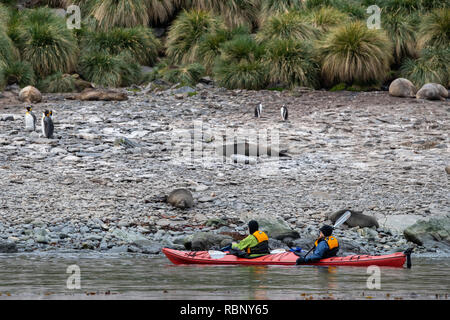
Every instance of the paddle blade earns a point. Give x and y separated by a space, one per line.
342 219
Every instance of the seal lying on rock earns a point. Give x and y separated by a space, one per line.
181 198
357 219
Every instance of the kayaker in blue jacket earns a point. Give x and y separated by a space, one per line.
326 246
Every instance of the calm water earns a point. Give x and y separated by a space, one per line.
43 276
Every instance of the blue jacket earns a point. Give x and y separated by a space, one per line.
319 252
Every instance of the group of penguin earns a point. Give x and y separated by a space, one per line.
46 122
283 110
48 127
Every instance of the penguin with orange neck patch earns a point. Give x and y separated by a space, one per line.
47 125
30 120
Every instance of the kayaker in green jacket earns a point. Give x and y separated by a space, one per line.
254 245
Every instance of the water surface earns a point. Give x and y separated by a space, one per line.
44 276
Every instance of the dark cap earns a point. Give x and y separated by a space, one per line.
253 226
326 230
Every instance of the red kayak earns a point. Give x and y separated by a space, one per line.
285 259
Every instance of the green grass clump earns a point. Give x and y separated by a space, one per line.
57 83
287 26
186 75
435 29
433 65
139 42
19 72
8 53
240 64
109 70
325 18
291 63
120 13
401 31
209 45
186 33
354 54
234 13
46 43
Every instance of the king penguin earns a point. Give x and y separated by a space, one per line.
258 111
47 125
284 113
30 120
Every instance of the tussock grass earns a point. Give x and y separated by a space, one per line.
19 72
433 65
435 29
354 54
186 33
46 43
287 26
140 42
57 83
291 63
120 13
402 32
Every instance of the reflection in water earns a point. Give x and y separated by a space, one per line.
328 277
257 278
43 276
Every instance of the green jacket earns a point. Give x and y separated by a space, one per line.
249 242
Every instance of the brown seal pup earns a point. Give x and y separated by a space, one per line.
181 198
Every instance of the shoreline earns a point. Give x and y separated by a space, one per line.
366 151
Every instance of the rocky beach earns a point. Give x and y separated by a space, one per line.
101 182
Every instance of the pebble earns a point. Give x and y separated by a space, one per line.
356 151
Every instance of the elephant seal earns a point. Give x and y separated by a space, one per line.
402 87
432 91
357 219
181 198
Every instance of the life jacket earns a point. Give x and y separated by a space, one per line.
333 246
263 244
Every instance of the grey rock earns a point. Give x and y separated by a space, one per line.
8 247
118 249
277 228
207 240
427 233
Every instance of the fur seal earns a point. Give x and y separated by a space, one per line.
357 219
181 198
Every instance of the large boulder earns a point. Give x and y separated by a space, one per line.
7 247
357 219
429 233
432 91
30 95
399 222
181 198
201 241
402 87
277 229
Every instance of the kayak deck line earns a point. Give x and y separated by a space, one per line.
286 258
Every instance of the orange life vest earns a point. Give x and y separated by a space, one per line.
263 241
331 241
